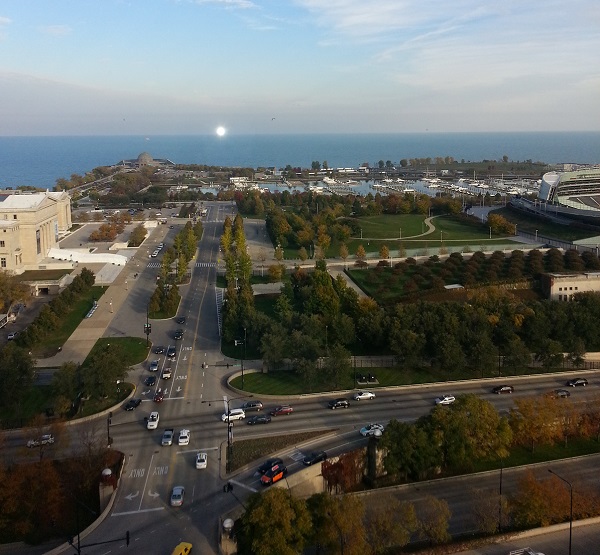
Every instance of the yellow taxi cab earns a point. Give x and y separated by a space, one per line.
182 549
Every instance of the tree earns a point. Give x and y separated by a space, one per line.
344 253
274 522
137 236
17 369
338 365
361 253
390 524
434 518
384 252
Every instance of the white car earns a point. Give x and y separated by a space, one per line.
201 460
445 400
372 430
184 437
361 395
153 420
153 366
154 254
234 414
46 439
166 374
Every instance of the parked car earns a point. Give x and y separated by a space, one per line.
201 460
178 334
171 353
338 404
158 350
184 437
274 474
314 457
181 320
259 419
252 406
561 393
372 430
153 420
282 410
166 374
500 389
233 414
159 396
132 404
268 464
445 400
362 395
177 496
577 382
153 365
46 439
11 335
150 381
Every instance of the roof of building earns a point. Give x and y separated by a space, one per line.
26 201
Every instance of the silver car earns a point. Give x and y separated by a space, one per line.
177 496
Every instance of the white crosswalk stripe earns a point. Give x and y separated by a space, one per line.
205 265
153 264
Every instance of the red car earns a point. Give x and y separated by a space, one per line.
283 409
274 474
159 396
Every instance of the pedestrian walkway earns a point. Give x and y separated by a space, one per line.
81 341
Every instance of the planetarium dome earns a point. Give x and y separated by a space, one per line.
145 159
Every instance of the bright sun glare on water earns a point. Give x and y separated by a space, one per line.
220 131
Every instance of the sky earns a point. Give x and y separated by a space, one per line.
129 67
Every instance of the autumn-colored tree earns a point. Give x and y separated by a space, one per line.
274 522
534 421
434 519
361 254
390 524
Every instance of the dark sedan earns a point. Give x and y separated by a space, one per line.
259 419
315 457
181 320
158 350
178 334
268 464
150 381
133 404
577 382
499 389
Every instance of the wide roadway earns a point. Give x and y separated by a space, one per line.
194 400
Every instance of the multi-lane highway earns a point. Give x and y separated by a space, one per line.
195 399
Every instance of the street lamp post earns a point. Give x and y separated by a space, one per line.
490 232
242 342
227 400
571 516
536 232
108 423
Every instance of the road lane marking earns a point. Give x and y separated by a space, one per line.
138 511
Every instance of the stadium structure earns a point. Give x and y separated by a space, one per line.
566 196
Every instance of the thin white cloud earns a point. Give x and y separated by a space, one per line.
5 21
244 4
56 30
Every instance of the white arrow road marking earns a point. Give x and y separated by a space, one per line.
132 496
178 389
146 392
153 494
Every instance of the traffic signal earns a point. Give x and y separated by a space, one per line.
147 328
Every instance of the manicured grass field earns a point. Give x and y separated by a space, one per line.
134 349
49 345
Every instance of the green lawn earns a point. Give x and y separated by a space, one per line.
49 345
287 382
134 348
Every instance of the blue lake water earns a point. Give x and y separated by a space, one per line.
40 161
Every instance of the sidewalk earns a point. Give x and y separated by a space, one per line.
81 341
